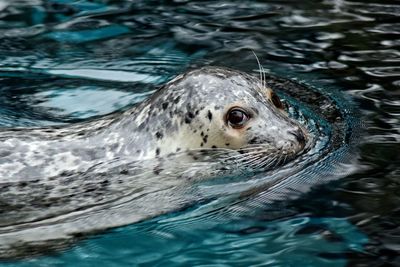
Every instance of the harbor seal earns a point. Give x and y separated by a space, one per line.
206 108
202 109
60 182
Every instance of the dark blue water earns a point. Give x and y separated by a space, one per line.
68 61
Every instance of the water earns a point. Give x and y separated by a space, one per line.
68 61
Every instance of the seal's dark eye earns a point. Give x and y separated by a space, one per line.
276 101
237 117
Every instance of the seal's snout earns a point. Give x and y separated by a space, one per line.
299 135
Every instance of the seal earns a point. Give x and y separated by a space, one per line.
205 108
60 182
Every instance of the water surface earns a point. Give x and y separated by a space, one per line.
68 61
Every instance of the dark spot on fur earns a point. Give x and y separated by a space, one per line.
209 115
248 129
202 133
178 149
138 151
141 126
205 139
227 144
201 144
176 100
105 182
165 105
188 120
189 116
90 189
124 172
159 135
193 156
157 170
157 151
254 140
214 146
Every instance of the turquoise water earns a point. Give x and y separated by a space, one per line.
68 61
319 242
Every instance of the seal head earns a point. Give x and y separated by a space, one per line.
221 108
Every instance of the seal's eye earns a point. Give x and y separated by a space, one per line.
276 101
237 117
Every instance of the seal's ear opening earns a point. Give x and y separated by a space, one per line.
274 99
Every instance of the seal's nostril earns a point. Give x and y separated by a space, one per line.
299 135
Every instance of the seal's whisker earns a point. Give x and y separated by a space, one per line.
260 69
265 165
250 155
260 148
246 160
210 149
246 155
279 160
256 162
264 162
254 156
264 77
269 162
284 158
254 146
251 159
